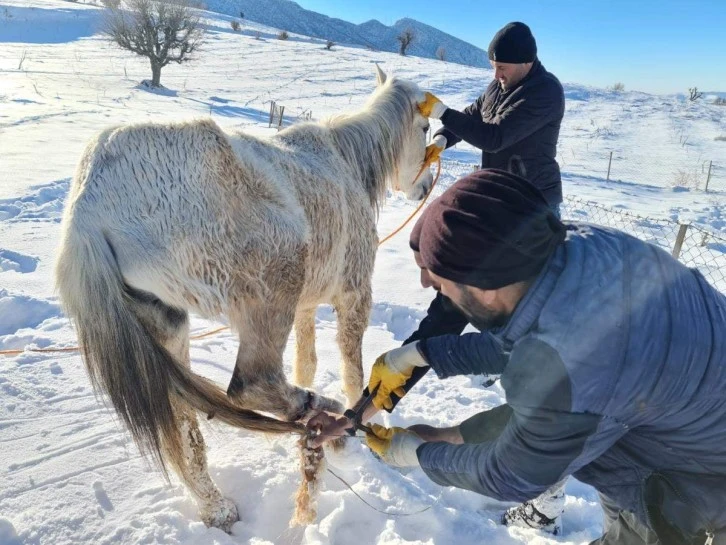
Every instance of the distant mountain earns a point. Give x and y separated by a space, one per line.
429 40
287 15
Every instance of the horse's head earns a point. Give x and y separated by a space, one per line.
410 174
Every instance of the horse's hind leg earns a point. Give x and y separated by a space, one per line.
353 309
171 328
214 509
258 382
306 360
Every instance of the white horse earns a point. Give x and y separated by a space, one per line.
166 219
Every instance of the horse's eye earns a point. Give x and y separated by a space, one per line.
426 129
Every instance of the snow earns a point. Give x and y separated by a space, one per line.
69 474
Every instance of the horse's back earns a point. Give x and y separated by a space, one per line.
187 221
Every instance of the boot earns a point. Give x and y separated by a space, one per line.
542 513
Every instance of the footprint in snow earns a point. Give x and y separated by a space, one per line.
42 203
102 497
13 261
21 311
8 534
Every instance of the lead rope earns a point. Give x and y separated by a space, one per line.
436 179
16 351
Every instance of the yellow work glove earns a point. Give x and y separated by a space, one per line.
431 106
391 371
395 446
433 150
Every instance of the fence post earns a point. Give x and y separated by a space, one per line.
679 240
610 162
708 178
272 112
282 112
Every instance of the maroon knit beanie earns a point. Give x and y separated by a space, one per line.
488 230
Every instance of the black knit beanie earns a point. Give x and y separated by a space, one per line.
488 230
513 44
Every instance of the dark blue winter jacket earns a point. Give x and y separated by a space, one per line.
516 129
614 364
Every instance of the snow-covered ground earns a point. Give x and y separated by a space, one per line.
69 474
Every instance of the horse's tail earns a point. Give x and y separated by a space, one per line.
123 357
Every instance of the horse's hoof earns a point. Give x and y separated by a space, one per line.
223 515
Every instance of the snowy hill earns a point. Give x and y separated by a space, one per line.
429 39
70 474
287 15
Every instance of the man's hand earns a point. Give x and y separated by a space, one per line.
395 446
434 149
391 371
431 106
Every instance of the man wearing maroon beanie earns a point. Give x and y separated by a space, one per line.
611 355
512 243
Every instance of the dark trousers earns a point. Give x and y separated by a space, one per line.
619 528
622 528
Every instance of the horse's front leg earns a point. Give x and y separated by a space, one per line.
353 309
305 361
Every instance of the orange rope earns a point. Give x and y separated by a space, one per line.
436 179
208 333
21 350
17 351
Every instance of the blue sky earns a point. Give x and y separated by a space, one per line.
659 46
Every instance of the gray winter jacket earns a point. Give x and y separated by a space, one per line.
614 364
516 130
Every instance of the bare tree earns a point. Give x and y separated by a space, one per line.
235 25
329 45
163 31
441 53
694 94
618 87
404 40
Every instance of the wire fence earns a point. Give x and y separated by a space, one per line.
697 172
646 140
694 246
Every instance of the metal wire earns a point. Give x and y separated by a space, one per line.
387 513
698 247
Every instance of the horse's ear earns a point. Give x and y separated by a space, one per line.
380 76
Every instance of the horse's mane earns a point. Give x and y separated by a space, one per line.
371 138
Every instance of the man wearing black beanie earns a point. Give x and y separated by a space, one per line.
516 121
611 355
